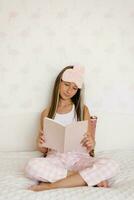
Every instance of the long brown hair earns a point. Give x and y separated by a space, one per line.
76 99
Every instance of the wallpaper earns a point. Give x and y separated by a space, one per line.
39 38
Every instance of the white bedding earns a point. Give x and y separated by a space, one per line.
13 183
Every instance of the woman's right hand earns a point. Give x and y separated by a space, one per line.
41 141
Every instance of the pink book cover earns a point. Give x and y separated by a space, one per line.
64 138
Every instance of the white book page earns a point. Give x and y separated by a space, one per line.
74 133
54 134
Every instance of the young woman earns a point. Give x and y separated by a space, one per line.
70 169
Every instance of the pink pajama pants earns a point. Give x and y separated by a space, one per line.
55 166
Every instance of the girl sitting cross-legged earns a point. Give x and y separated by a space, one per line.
70 169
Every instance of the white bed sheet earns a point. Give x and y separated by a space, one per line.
13 183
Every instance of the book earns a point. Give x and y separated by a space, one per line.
64 138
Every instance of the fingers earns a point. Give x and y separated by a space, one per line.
41 137
41 132
41 140
88 143
83 141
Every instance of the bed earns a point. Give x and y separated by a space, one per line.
14 184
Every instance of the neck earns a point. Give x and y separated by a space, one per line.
63 102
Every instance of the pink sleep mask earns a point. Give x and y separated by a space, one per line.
76 75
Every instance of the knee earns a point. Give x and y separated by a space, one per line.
114 166
111 165
31 167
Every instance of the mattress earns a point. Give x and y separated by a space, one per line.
14 184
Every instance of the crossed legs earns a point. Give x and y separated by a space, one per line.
73 179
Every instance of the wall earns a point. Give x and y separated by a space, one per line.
39 38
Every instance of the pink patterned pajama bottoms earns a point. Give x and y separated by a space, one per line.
55 166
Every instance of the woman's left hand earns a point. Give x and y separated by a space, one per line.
88 142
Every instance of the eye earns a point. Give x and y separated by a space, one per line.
67 84
75 88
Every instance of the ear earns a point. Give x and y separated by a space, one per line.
93 124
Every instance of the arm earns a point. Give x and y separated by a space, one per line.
40 138
89 140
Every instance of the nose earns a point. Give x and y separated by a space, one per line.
69 90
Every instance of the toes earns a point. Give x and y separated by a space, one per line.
103 184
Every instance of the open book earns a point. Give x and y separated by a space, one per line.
64 138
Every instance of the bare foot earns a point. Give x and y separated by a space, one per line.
46 186
40 187
103 184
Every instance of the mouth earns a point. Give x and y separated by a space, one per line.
66 95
